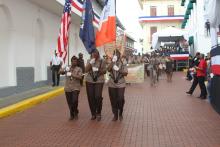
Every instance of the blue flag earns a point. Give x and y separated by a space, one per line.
86 33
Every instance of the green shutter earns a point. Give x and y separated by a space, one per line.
188 12
190 6
193 1
186 17
191 40
182 2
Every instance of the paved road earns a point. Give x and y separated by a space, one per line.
162 116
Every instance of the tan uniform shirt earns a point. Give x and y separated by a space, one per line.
71 83
101 65
121 81
153 63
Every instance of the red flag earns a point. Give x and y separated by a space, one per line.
63 38
107 24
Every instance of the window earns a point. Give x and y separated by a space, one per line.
170 10
153 11
152 30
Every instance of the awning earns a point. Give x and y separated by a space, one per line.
183 2
191 40
186 17
188 12
193 1
183 26
169 34
184 23
190 6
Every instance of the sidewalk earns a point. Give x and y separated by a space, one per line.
12 99
162 116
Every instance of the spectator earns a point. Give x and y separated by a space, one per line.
56 63
81 64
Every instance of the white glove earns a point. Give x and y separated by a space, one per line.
68 74
211 75
92 61
116 68
94 69
67 69
114 59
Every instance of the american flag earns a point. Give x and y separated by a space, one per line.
63 38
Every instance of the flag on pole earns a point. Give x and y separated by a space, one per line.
215 60
86 33
63 38
107 25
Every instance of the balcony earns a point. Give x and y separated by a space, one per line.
146 19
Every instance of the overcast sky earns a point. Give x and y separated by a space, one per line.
128 12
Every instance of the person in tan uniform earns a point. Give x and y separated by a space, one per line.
116 85
95 69
72 86
169 69
153 62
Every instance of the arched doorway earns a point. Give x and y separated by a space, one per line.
5 50
40 67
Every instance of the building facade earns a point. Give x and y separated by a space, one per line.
28 37
159 14
195 24
129 45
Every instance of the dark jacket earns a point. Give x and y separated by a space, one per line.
81 64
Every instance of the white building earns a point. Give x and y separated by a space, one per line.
194 24
158 15
28 37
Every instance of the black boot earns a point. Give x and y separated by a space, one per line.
98 117
76 115
115 118
93 117
120 115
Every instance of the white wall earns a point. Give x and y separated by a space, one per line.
204 41
196 27
6 50
28 38
162 6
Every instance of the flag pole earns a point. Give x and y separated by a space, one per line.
68 49
68 52
115 27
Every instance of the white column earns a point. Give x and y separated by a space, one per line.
214 36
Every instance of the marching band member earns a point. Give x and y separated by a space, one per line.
72 86
95 69
116 85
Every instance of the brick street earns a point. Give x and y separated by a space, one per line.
162 116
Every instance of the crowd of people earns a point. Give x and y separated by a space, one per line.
94 71
156 63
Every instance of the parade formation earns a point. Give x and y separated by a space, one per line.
105 91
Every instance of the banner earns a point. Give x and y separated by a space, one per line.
135 73
119 44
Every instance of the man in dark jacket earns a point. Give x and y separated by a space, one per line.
193 62
81 64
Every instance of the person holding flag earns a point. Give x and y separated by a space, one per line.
118 70
95 67
73 75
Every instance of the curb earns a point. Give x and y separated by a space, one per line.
30 102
